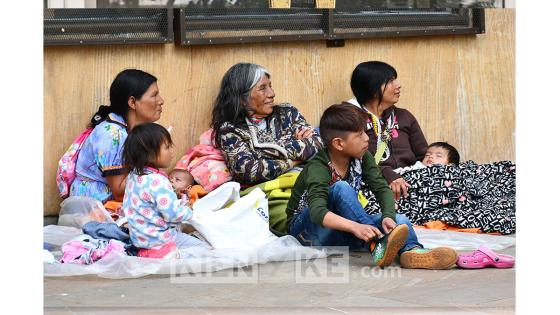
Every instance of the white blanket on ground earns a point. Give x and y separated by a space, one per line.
240 237
287 248
118 266
237 229
462 240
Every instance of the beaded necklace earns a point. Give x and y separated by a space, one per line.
259 122
383 136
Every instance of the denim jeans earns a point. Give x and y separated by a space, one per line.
343 200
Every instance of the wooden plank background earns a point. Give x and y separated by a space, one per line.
460 88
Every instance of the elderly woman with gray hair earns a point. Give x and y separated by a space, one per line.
261 140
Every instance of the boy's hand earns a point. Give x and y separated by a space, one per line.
388 225
366 232
397 185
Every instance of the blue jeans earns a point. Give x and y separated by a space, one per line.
343 200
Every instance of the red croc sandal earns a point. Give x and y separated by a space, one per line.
484 257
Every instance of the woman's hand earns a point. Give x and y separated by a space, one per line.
397 185
304 132
365 232
388 225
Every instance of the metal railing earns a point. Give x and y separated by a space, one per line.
202 26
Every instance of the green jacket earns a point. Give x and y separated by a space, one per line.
312 186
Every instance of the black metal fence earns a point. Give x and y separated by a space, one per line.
219 26
202 26
107 26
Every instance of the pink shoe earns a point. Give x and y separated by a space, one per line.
165 251
485 257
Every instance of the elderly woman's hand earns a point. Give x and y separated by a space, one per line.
397 185
304 132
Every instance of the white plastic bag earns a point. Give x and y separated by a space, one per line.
217 199
244 224
56 235
76 211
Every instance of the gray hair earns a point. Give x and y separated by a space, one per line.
231 103
254 74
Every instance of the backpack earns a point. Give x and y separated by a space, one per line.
66 172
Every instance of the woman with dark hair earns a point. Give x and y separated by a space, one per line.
395 137
439 192
100 172
260 139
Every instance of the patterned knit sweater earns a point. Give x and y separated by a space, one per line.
256 155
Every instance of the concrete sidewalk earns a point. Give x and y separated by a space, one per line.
364 290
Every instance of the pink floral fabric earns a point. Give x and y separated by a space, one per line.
205 163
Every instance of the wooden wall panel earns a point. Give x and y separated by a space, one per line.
460 88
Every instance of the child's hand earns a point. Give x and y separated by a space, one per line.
388 225
188 189
366 232
186 201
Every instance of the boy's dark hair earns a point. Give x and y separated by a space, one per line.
452 153
142 145
340 119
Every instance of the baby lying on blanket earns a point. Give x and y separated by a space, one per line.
438 153
466 195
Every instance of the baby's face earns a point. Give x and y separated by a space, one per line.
436 155
181 180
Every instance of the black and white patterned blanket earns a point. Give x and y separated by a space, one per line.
469 195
